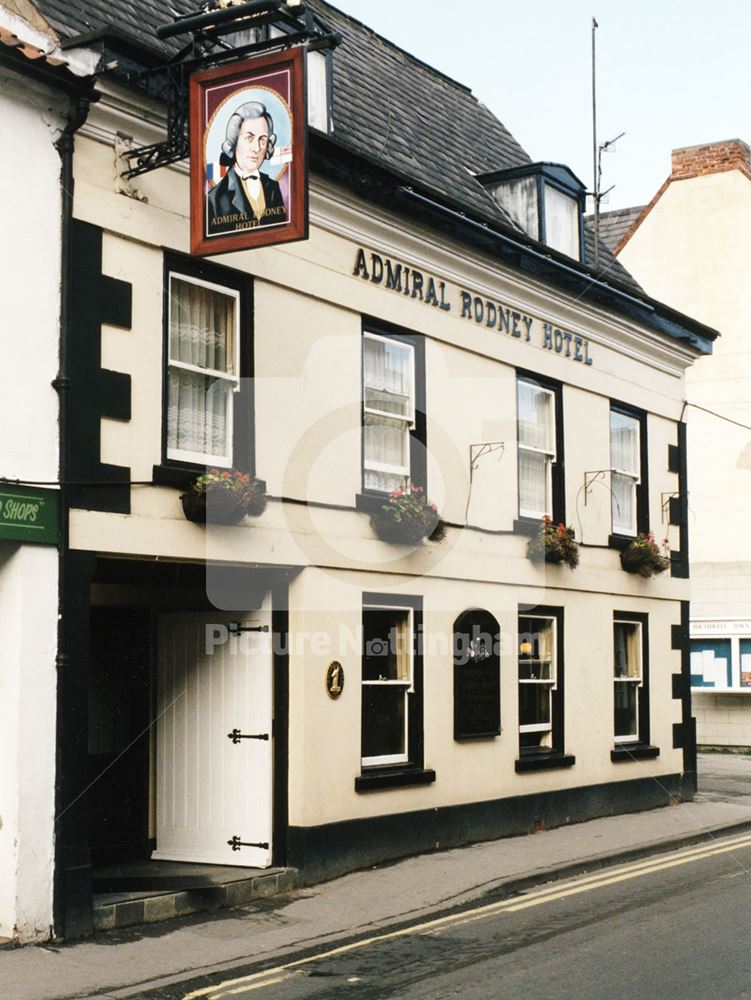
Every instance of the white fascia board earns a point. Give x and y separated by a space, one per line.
336 211
41 42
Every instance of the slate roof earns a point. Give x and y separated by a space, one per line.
615 225
386 104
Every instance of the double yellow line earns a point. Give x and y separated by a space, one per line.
549 894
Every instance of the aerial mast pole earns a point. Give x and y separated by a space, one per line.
595 170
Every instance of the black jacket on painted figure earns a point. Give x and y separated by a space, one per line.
228 200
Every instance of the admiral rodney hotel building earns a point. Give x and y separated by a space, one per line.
447 325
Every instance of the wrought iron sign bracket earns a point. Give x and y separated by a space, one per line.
594 477
208 48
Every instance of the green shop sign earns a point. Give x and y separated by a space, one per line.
28 515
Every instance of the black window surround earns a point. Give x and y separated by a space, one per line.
413 771
179 474
640 749
617 540
369 499
530 525
538 759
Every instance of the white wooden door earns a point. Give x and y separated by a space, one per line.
213 790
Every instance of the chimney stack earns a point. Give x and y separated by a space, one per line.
711 158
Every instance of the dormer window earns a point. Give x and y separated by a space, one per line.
546 201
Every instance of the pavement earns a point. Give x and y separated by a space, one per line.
124 963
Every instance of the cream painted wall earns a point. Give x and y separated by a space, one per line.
307 351
325 734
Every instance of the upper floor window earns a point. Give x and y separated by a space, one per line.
628 472
546 201
203 370
538 450
393 421
207 348
318 83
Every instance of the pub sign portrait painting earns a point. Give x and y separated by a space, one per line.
248 171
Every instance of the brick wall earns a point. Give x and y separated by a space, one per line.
711 158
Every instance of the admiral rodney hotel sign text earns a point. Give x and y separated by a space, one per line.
414 284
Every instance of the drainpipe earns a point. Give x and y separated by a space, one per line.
62 383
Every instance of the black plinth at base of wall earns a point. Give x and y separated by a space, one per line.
324 852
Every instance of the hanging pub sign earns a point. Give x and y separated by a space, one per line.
248 163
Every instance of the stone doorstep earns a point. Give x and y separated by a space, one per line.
168 905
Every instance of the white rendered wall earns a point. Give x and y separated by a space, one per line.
30 269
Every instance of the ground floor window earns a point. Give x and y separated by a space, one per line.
391 681
627 679
540 675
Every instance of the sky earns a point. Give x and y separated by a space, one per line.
670 73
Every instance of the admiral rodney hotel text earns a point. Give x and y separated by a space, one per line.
410 282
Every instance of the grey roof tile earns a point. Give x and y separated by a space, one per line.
387 106
616 224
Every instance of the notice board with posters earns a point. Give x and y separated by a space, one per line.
248 154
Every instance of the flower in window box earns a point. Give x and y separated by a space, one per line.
554 543
408 518
223 497
645 557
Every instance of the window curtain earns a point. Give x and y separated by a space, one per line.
197 413
535 415
624 443
624 455
201 335
201 327
387 375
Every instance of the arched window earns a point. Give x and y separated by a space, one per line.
477 675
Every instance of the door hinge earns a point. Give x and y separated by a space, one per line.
236 736
236 844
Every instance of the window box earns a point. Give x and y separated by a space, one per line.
222 497
643 556
408 518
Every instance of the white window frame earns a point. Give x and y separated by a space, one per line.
408 685
408 421
549 454
194 457
633 475
638 682
551 683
